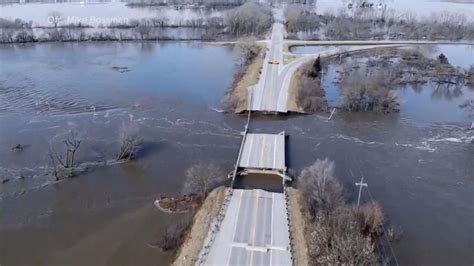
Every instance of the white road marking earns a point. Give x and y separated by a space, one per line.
236 222
254 227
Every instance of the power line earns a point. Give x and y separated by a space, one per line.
385 234
360 184
382 250
372 199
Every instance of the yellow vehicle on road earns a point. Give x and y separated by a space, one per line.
273 62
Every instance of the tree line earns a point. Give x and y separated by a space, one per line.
250 19
376 24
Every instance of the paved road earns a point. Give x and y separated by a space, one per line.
270 94
263 151
265 94
253 232
370 42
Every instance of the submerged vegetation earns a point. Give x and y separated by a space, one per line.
369 23
63 162
310 94
369 82
63 152
245 20
368 93
337 232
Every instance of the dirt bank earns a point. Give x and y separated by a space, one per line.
293 92
237 96
189 251
297 227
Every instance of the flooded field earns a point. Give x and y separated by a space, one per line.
420 170
95 14
101 12
424 103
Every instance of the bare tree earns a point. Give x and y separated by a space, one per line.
64 162
336 239
143 29
249 19
130 142
300 18
369 93
201 178
55 17
320 188
72 144
247 48
370 218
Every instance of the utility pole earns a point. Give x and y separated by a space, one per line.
360 185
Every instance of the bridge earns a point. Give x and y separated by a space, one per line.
253 224
252 227
270 94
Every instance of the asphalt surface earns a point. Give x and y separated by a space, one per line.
270 94
266 94
263 151
254 231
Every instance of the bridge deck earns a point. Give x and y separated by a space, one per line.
264 151
253 232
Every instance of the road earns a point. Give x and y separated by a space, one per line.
270 94
263 151
265 94
255 231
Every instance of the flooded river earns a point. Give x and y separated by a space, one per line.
420 171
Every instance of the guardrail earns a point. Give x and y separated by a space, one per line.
214 228
290 247
244 135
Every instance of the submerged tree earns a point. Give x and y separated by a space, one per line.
130 142
338 233
64 162
369 93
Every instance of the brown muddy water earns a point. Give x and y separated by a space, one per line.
421 171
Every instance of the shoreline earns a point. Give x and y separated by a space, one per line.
298 230
247 76
188 251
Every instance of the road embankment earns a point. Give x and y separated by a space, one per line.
237 97
297 227
189 251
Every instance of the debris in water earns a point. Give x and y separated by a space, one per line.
178 205
18 148
121 69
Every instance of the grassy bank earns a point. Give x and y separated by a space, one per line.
237 97
194 240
